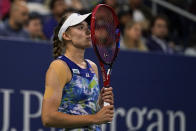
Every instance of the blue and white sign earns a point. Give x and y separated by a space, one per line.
153 92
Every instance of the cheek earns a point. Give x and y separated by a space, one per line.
131 33
30 27
157 30
38 27
18 17
78 37
166 31
138 34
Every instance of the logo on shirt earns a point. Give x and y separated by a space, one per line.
87 75
76 71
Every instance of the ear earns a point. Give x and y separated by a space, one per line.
66 36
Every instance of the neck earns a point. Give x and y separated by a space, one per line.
161 38
131 43
76 55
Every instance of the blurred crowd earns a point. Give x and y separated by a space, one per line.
166 32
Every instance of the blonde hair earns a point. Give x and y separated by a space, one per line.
138 45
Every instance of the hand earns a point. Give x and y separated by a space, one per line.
106 95
105 115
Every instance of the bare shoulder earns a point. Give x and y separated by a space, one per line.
61 69
58 65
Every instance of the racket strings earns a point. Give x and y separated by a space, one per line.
105 34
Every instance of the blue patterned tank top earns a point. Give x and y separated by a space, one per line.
80 95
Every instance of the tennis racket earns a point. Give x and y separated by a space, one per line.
105 36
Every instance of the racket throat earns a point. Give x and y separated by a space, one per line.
106 76
107 83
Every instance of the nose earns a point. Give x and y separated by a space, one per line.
88 31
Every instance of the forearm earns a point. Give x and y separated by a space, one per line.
62 120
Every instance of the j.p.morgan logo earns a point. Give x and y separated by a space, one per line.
132 119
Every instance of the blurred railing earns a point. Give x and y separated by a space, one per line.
173 8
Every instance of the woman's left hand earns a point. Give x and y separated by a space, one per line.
106 95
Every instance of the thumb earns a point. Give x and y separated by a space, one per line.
102 90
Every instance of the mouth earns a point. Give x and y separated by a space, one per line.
88 38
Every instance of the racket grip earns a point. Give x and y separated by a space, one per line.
106 103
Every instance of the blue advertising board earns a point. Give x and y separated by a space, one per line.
153 92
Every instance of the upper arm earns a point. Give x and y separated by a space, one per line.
56 77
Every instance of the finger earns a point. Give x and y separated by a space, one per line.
107 97
110 119
109 101
110 107
111 116
102 90
108 116
107 93
108 89
111 112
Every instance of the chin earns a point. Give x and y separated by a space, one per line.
84 46
88 46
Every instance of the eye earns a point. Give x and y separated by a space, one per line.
81 27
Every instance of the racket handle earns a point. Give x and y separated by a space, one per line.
106 103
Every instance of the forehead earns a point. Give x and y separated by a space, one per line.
160 21
83 23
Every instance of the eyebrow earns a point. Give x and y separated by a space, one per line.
82 24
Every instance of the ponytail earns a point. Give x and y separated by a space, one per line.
57 44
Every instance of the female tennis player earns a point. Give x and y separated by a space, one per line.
72 98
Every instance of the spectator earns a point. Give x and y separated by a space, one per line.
141 13
178 23
133 37
39 8
13 27
124 15
113 4
88 4
34 27
75 4
158 41
57 7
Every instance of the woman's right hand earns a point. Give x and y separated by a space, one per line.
105 115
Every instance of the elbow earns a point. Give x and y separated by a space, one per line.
46 121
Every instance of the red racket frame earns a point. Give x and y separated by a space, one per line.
106 76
